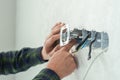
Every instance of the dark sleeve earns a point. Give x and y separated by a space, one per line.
15 61
47 74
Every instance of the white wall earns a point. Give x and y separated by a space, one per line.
7 24
36 17
31 30
7 28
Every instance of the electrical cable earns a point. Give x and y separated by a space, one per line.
82 42
90 46
84 78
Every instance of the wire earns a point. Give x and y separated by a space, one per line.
84 45
84 78
90 46
83 41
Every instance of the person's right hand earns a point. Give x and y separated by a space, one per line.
62 62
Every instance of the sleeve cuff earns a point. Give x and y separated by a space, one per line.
39 55
47 74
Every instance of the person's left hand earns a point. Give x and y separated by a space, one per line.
51 41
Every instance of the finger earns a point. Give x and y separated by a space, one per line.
52 40
73 59
69 45
55 50
57 28
56 24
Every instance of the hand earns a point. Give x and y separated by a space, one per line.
62 62
51 41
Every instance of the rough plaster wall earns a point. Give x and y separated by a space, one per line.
36 17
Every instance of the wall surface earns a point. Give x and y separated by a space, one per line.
7 28
7 24
35 18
